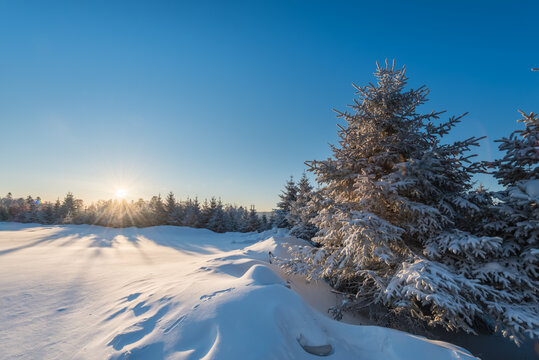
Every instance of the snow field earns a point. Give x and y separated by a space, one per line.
86 292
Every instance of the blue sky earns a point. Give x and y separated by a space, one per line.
229 98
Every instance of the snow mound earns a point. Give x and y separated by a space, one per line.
166 292
262 275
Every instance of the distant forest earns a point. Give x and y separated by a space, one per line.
213 214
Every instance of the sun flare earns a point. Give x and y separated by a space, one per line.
121 193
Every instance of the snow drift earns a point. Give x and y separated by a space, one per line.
86 292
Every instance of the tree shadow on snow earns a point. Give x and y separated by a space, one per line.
179 238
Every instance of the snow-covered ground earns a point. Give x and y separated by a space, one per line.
86 292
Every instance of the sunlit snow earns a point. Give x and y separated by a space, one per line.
86 292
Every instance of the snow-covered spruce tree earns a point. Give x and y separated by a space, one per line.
192 213
288 196
206 212
217 220
30 210
302 212
232 218
57 212
171 208
392 207
515 218
253 224
48 214
175 211
263 222
244 220
71 209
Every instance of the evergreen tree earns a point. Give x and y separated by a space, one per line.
230 218
57 212
515 218
4 205
192 213
264 223
238 218
159 211
207 211
30 210
4 213
217 221
144 213
16 210
174 213
287 196
302 212
253 223
392 210
244 219
68 206
70 209
170 205
272 220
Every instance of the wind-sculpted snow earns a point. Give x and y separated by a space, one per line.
84 292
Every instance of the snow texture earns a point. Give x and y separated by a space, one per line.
87 292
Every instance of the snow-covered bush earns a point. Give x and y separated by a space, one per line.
394 218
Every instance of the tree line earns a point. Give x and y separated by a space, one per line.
212 215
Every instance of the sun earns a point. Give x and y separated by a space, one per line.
121 193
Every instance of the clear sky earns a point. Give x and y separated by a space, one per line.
229 98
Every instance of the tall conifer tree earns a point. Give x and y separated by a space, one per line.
392 216
302 212
288 196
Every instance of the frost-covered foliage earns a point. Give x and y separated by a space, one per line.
302 211
296 208
395 214
522 156
515 218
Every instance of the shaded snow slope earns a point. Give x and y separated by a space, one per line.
85 292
